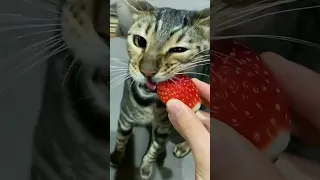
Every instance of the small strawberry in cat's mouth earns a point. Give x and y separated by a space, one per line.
181 88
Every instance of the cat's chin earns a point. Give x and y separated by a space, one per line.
143 91
145 88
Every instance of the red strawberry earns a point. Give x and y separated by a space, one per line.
181 87
247 97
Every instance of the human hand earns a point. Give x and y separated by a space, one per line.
195 128
302 88
235 157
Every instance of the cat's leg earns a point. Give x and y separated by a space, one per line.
181 149
159 139
124 131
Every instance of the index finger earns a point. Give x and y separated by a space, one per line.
204 90
300 84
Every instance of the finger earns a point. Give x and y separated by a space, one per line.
190 127
204 90
205 118
234 157
300 84
305 131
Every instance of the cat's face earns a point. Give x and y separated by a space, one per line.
85 30
163 42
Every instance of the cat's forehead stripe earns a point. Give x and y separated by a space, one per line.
148 28
169 21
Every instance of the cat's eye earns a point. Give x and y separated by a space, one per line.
139 41
178 50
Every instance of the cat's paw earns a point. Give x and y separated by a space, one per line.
116 158
145 171
181 150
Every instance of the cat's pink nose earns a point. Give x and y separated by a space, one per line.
148 74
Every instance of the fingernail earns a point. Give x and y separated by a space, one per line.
201 116
173 108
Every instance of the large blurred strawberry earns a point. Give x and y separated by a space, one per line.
246 96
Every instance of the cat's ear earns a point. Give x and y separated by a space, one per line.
137 7
202 17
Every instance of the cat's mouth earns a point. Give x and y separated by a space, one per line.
149 86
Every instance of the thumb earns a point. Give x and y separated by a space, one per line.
190 127
235 158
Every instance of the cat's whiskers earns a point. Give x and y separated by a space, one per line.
52 44
199 53
215 54
27 69
30 47
223 56
200 60
251 11
171 79
65 79
115 75
196 73
122 75
24 18
117 67
268 14
195 23
284 38
83 98
44 2
119 61
254 9
29 26
219 54
127 76
201 57
36 33
188 66
245 9
41 7
118 70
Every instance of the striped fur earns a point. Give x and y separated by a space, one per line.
162 29
71 137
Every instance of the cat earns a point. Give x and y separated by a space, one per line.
161 43
71 137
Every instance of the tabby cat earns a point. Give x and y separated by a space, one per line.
71 137
161 43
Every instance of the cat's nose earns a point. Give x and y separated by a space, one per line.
148 74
